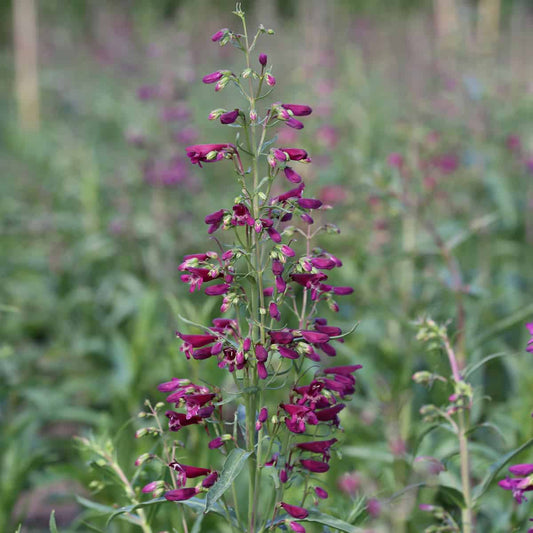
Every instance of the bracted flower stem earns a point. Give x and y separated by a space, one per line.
462 428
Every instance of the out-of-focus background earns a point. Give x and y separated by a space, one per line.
422 143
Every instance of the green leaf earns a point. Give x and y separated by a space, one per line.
105 509
52 524
452 495
471 369
196 528
232 467
332 521
496 467
508 322
130 508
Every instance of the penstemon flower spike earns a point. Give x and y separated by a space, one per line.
269 333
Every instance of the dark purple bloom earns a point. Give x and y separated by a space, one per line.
274 311
524 469
219 35
295 526
288 353
296 512
281 285
213 77
241 216
260 353
309 203
298 110
342 291
216 443
314 466
263 59
230 117
291 175
214 220
315 337
207 153
281 337
179 495
321 493
293 123
210 480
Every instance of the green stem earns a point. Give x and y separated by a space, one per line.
467 514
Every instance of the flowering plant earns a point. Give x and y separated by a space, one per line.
269 337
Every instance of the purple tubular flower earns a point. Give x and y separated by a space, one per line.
296 154
210 480
263 415
292 176
308 219
150 487
314 337
298 110
214 220
314 466
329 413
317 446
293 123
296 512
217 290
207 153
179 495
213 77
189 471
263 59
215 443
524 469
287 251
342 291
309 203
274 311
288 353
230 117
260 353
270 80
281 337
321 493
295 526
219 35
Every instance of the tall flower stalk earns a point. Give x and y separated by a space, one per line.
269 335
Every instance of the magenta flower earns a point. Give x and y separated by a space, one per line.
263 59
219 35
179 495
296 512
292 176
213 77
298 110
271 81
293 123
295 526
230 117
314 466
207 153
210 480
321 493
529 348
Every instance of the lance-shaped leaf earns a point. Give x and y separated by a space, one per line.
232 467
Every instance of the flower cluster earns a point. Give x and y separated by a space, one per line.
270 333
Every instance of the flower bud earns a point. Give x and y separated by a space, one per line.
145 457
270 80
253 116
263 59
219 35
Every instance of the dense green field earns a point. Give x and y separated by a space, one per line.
425 154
